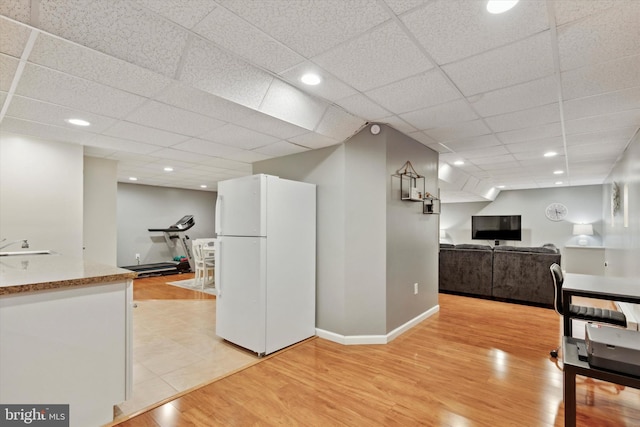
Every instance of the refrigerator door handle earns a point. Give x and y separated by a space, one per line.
216 271
218 215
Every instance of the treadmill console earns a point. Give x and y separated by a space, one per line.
184 223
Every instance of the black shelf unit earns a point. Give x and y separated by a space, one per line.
412 189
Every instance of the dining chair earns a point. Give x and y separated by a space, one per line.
204 265
588 314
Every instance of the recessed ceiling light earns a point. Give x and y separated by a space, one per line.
500 6
203 186
78 122
558 182
558 172
458 163
311 79
501 186
550 154
168 169
133 178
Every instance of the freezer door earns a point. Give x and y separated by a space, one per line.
240 207
241 284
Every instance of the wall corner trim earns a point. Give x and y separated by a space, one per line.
376 339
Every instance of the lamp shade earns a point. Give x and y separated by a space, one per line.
582 229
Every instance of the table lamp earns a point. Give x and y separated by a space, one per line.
582 230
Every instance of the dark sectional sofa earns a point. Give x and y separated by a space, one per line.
518 274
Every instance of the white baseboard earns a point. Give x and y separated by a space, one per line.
376 339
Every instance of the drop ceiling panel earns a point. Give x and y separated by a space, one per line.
135 132
399 124
310 30
530 133
36 111
622 100
121 29
458 131
79 61
59 88
13 38
180 154
231 165
40 130
270 125
330 87
162 116
290 104
524 119
473 143
426 140
377 58
187 14
211 69
313 140
119 144
231 32
614 33
492 161
630 118
476 154
364 107
572 10
519 97
415 93
603 138
196 100
526 60
20 10
249 156
605 77
338 124
280 148
440 115
539 146
238 137
8 67
454 29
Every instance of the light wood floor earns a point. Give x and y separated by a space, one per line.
475 363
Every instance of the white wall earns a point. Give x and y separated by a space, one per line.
325 168
622 229
584 204
41 193
141 207
372 247
99 203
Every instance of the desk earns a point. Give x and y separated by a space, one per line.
608 288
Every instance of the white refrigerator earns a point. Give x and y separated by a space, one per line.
265 262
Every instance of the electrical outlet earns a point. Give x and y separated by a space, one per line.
137 257
415 289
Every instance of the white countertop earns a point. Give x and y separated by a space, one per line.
27 273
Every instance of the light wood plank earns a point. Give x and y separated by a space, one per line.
475 363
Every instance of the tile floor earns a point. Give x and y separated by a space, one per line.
175 348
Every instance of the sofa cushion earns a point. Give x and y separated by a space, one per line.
534 249
469 246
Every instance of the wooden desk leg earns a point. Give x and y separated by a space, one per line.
566 320
569 396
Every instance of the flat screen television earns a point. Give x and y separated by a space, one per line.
496 227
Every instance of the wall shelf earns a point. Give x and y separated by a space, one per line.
412 189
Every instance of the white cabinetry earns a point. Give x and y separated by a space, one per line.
68 346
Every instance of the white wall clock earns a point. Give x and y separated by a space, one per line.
556 211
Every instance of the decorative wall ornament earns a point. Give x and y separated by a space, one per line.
615 198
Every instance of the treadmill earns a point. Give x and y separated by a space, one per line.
175 237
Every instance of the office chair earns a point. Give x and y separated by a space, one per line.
589 314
